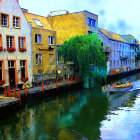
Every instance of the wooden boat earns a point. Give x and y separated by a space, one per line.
120 87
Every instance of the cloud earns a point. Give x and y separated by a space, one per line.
102 12
120 16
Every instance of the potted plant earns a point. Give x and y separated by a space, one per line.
1 49
2 82
22 49
11 49
24 79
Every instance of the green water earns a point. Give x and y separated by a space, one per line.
78 115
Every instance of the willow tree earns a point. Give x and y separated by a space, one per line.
90 62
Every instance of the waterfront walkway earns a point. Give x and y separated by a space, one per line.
6 101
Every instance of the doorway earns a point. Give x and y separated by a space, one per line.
11 65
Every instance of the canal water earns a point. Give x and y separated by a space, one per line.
91 114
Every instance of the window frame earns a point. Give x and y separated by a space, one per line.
13 41
18 23
37 59
1 41
91 22
40 24
24 68
7 20
19 37
38 39
51 40
1 69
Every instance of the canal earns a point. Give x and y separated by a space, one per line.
82 114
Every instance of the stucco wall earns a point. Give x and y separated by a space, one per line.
45 67
11 7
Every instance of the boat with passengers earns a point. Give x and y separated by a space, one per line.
120 87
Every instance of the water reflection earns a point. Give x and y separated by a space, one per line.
73 116
85 114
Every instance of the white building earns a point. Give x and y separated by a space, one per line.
15 45
121 58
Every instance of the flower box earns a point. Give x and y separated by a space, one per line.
1 49
11 49
24 79
2 82
22 49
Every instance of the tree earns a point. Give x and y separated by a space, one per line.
90 62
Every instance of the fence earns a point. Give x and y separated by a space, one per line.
48 78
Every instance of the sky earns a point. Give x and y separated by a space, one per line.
119 16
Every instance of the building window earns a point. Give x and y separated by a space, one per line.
23 68
10 41
51 40
118 62
11 64
4 19
38 59
121 62
16 22
1 73
111 63
52 61
102 44
114 53
132 60
38 23
91 22
89 32
38 38
21 41
114 63
119 53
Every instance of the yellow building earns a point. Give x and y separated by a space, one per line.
71 24
43 46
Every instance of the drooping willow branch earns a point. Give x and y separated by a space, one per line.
87 53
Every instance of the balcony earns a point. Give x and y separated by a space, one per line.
124 57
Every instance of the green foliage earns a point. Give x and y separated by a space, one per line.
87 53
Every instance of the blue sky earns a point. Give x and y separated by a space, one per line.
120 16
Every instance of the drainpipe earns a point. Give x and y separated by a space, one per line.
56 54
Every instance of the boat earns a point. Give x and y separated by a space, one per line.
120 87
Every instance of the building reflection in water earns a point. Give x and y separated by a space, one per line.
68 116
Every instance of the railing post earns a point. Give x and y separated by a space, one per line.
5 92
42 87
15 94
19 96
25 90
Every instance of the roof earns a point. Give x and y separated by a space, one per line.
112 36
32 17
129 36
74 13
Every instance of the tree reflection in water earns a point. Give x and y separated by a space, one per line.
70 116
